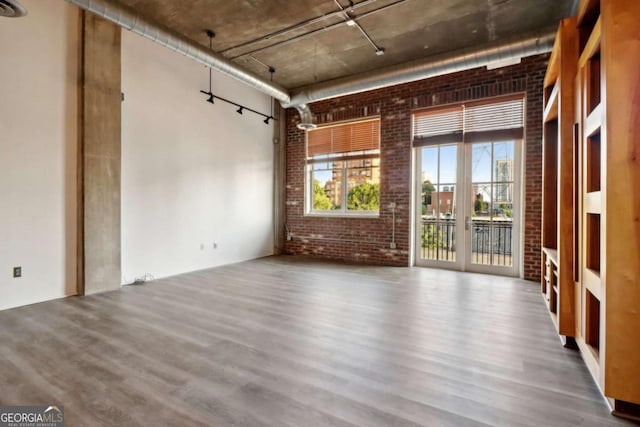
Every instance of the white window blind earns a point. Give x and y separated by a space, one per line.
444 124
473 122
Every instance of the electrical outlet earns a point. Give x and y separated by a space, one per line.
289 237
392 245
17 271
392 205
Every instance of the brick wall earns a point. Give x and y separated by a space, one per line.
367 240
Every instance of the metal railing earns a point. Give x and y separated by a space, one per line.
491 241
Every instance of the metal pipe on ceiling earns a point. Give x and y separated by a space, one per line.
349 18
399 74
297 26
132 21
317 31
467 59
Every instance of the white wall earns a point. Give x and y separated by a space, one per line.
192 173
38 142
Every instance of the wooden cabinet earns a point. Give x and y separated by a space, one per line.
594 226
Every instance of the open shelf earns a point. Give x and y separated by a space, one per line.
588 15
592 323
593 242
592 42
594 72
588 12
593 163
550 185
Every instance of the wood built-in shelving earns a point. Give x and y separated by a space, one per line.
558 200
607 198
589 315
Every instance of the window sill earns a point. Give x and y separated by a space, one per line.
342 215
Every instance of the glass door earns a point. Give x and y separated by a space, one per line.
438 242
492 225
468 208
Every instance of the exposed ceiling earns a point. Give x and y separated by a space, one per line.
309 41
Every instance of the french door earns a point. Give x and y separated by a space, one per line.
468 207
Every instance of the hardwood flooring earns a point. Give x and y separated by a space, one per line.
288 341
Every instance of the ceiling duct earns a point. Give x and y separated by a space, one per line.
12 9
425 68
306 117
132 21
125 17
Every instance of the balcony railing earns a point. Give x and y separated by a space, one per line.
491 241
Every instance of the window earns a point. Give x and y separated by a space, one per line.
343 169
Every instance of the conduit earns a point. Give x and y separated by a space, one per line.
424 68
133 21
121 15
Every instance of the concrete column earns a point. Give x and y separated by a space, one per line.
100 155
280 172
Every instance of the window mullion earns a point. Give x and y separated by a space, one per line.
345 180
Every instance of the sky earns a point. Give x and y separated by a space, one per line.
480 164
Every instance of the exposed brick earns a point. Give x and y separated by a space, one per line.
367 240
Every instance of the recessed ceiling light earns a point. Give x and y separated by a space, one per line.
351 23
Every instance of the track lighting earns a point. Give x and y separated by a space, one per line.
212 98
211 35
241 108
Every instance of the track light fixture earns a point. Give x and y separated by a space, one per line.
241 108
211 35
212 97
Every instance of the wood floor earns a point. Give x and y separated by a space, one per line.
286 341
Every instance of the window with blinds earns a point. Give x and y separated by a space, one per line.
344 141
343 169
498 120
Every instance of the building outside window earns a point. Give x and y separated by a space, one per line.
343 169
